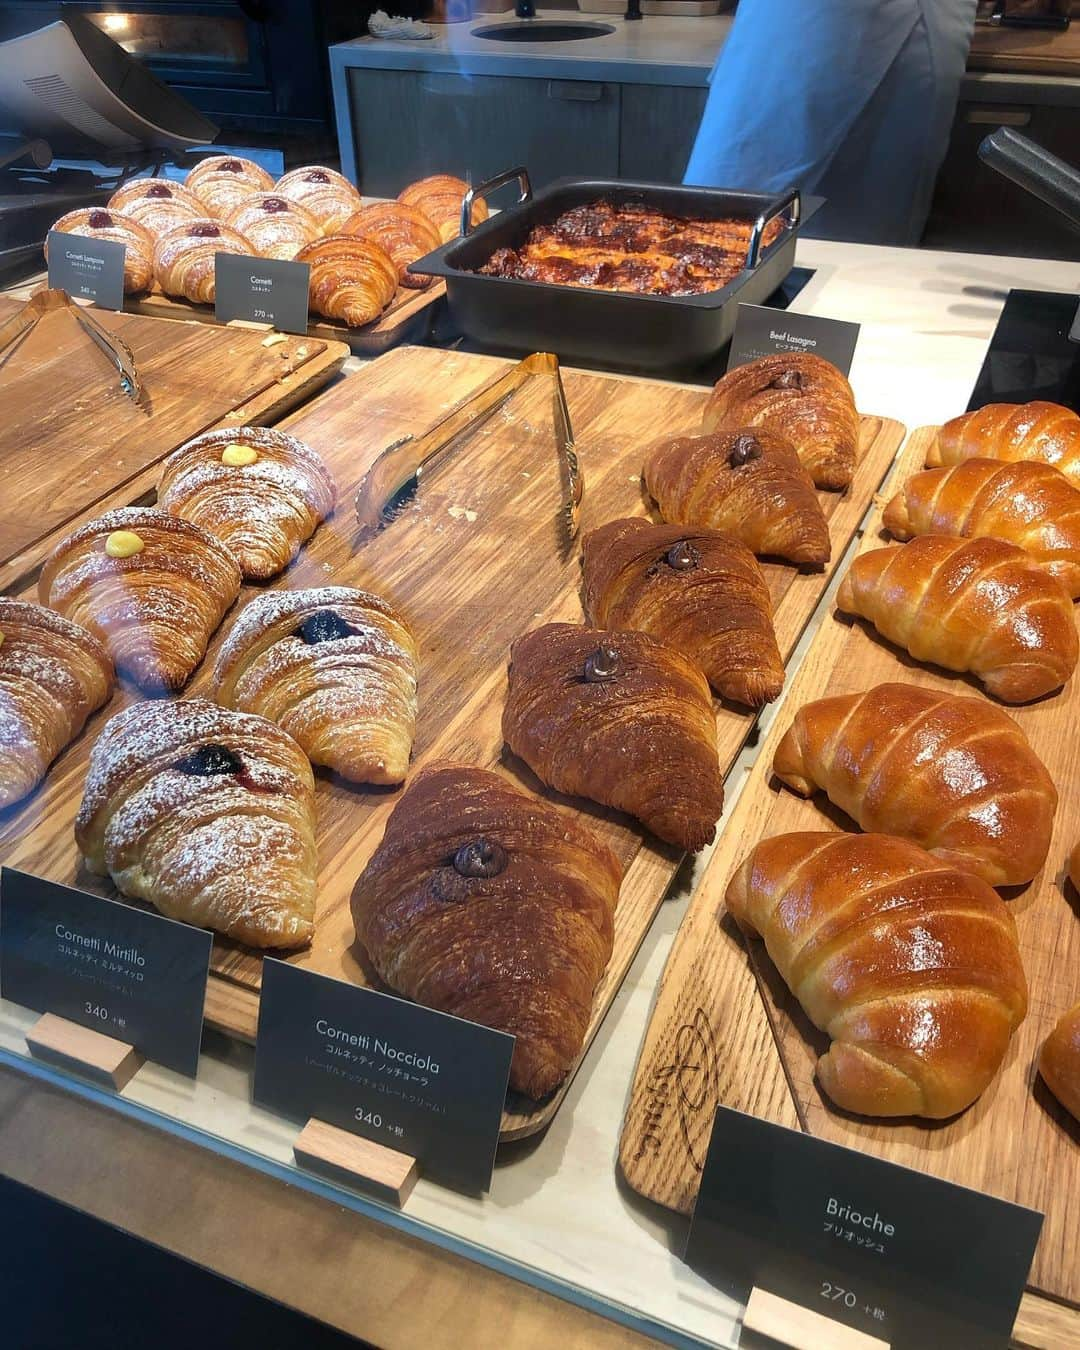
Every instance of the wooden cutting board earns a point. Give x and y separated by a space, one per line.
69 435
475 561
725 1031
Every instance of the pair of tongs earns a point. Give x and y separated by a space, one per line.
115 348
400 466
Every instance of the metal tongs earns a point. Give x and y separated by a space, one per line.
401 464
115 348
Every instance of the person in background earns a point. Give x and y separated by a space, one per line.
852 100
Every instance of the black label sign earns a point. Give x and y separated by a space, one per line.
88 269
427 1084
892 1252
760 331
133 975
261 290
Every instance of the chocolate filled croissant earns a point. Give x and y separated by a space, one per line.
325 193
222 181
274 226
156 204
955 775
801 397
184 257
335 667
1040 432
747 483
697 590
150 586
99 223
209 815
1030 505
260 491
53 675
402 231
1059 1061
440 197
621 719
969 604
495 907
351 279
911 966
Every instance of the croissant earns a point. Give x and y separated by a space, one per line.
209 815
621 719
969 604
801 397
150 586
911 966
1059 1061
335 668
156 204
274 226
328 195
221 181
1043 432
495 907
749 484
440 197
351 279
260 491
697 590
1030 505
955 775
403 232
53 675
184 257
114 228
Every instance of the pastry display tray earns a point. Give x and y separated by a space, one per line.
756 1051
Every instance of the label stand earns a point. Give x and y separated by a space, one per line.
383 1172
779 1320
83 1050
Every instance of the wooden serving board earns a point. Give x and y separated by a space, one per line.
725 1030
70 437
474 561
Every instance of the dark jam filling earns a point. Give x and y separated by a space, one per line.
316 176
99 220
209 761
275 204
158 190
231 166
480 858
207 230
323 626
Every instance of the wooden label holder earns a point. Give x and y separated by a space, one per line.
779 1321
361 1163
78 1049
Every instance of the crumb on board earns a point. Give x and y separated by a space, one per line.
274 339
461 513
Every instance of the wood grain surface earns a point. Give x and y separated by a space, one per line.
722 1013
473 561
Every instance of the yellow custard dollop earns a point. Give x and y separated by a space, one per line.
123 544
236 456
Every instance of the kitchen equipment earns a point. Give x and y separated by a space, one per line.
584 326
112 346
542 30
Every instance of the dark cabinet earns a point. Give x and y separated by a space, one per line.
657 127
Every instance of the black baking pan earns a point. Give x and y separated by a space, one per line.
586 327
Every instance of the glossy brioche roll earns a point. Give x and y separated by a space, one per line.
440 197
351 279
150 586
697 590
222 181
955 775
274 226
976 605
496 907
260 491
402 231
325 193
801 397
1040 432
621 719
335 667
911 966
184 257
1030 505
209 815
156 203
1059 1061
114 228
53 675
746 483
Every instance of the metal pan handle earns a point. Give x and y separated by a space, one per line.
791 202
524 190
1029 166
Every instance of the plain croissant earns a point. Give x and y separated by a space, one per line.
911 966
1044 432
1059 1060
954 774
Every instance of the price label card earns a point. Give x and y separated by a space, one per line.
88 269
902 1256
427 1084
261 290
133 975
761 331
